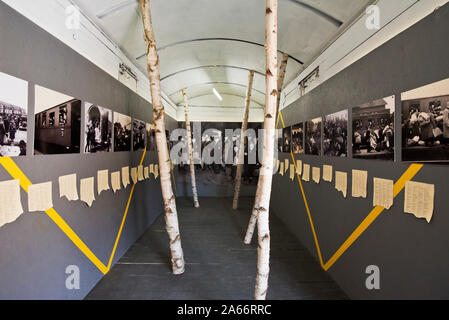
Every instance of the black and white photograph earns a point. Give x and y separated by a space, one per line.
335 139
287 139
313 137
13 116
57 122
139 133
98 129
298 138
425 123
151 137
373 130
122 132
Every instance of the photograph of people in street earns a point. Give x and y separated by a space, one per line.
139 133
335 140
313 137
298 138
122 132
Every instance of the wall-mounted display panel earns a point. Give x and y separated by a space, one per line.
335 140
313 137
151 137
287 139
97 129
122 132
139 133
298 138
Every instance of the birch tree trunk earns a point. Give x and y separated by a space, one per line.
266 172
190 147
171 216
238 176
281 80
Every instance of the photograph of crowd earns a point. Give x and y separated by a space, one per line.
373 130
313 137
425 123
57 122
98 129
298 138
335 139
287 139
151 137
139 133
13 116
122 132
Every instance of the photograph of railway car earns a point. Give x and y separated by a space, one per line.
122 132
57 122
98 129
139 133
151 137
13 116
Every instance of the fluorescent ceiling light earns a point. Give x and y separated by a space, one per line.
217 94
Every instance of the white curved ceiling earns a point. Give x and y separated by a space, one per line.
204 44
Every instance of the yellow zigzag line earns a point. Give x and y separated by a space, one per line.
372 216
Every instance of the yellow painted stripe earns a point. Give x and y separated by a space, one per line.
123 219
282 119
398 186
16 173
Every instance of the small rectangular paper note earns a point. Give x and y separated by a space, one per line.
419 199
40 197
359 183
68 188
87 190
316 174
115 181
287 164
327 173
341 182
10 204
277 166
383 193
152 168
306 172
102 181
125 176
292 172
281 169
299 167
146 173
156 171
134 175
140 173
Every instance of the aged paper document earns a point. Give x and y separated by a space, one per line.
146 173
67 187
140 173
152 168
115 181
316 174
87 190
419 199
341 182
40 197
156 171
277 166
10 204
359 183
306 172
286 165
383 193
292 172
299 167
102 181
125 176
327 173
134 175
281 169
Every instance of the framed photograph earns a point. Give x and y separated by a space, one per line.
122 132
425 123
287 139
97 129
313 137
13 116
139 133
151 137
298 138
335 140
57 122
373 130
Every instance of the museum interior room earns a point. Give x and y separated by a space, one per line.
224 150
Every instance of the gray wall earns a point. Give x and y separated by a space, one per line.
34 252
411 254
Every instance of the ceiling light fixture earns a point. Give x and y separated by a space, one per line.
217 94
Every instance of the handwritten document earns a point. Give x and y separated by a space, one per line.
134 175
40 197
152 168
125 176
306 172
327 173
103 180
419 199
287 164
341 182
281 170
316 174
299 167
146 173
115 181
156 171
140 173
10 204
383 193
292 172
359 183
87 190
68 188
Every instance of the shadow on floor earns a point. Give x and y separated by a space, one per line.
218 265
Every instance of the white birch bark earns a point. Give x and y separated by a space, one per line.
171 216
238 176
190 148
282 71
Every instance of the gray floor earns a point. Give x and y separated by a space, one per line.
219 266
